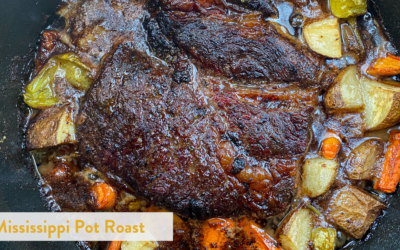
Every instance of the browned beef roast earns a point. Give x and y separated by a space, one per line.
171 141
245 48
185 129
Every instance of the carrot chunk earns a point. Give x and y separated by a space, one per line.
388 66
262 240
390 175
214 232
105 195
115 245
49 39
330 148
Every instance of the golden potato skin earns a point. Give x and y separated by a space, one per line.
318 176
323 36
52 127
353 210
294 232
382 100
363 158
335 97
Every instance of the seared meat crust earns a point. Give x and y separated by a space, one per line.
165 140
93 28
264 6
262 130
241 50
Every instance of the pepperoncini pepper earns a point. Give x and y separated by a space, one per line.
40 92
348 8
324 238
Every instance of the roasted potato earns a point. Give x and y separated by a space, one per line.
345 94
323 238
54 126
324 37
295 230
318 175
353 210
382 100
138 245
362 159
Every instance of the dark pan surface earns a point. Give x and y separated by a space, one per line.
20 23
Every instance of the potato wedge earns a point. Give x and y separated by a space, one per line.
382 102
318 175
323 238
138 245
353 210
362 159
295 233
345 94
324 37
54 126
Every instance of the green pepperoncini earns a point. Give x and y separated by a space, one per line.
40 94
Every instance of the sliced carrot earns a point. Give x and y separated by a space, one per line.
390 175
262 240
105 195
49 38
330 148
215 233
154 209
61 172
115 245
387 66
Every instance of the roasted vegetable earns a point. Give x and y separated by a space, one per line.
318 175
52 127
386 66
330 147
215 233
153 209
134 206
382 100
259 238
348 8
353 210
345 94
138 245
295 231
40 92
47 45
324 37
105 195
362 159
352 45
115 245
323 238
390 175
352 21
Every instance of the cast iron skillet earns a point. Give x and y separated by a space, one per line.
21 21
